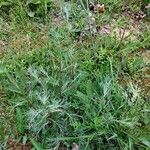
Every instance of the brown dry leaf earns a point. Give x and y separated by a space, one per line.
146 56
13 145
140 15
105 30
122 33
97 8
134 15
144 85
100 8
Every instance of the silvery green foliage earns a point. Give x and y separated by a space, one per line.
66 9
132 93
46 104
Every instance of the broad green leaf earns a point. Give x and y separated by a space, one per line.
36 145
25 138
34 2
5 3
2 68
20 120
31 14
145 141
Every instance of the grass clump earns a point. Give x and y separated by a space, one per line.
72 106
76 87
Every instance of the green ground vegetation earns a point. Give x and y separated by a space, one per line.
60 83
